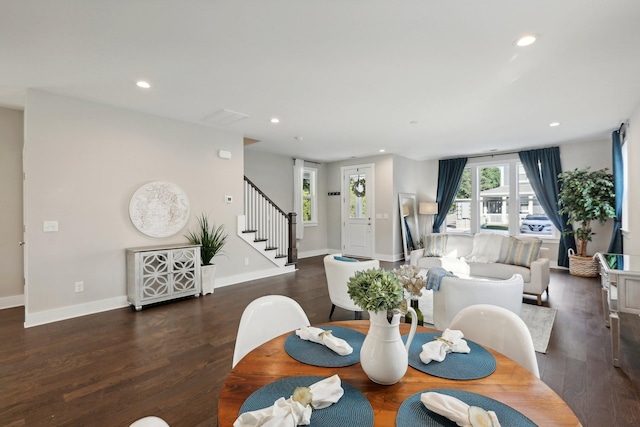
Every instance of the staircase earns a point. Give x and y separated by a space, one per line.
267 228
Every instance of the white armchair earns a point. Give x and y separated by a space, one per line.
338 274
456 293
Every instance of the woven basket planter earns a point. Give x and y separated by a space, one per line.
583 266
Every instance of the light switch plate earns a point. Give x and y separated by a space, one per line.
50 226
228 199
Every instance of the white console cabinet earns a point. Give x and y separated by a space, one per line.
161 273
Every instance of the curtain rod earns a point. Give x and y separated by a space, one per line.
307 161
622 127
506 153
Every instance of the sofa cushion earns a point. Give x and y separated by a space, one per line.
486 247
459 245
498 271
521 252
435 244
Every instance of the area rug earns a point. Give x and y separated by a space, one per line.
538 319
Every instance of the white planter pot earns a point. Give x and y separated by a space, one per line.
208 277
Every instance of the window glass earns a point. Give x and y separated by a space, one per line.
533 219
484 204
357 196
309 200
494 199
459 216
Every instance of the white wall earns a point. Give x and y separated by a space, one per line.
631 242
427 188
83 163
405 180
11 269
273 174
393 174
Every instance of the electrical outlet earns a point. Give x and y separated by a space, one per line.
246 261
79 286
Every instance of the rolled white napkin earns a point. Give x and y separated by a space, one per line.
320 336
452 408
288 412
450 342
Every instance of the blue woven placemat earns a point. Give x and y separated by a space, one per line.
412 412
316 354
478 363
353 408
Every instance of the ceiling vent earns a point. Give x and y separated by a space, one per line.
225 117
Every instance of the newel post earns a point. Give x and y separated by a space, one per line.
292 253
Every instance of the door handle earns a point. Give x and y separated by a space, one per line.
21 243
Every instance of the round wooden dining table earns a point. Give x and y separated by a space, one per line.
510 383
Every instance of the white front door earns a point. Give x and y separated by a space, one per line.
358 210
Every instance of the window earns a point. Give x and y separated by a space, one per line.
309 196
497 197
357 195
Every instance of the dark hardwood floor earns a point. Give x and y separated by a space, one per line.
170 360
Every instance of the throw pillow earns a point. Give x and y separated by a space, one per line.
344 258
486 248
435 244
522 253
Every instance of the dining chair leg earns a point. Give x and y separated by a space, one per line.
333 307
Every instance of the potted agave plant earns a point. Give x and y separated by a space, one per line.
211 239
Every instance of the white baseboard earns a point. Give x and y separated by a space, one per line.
58 314
253 275
55 315
317 252
12 301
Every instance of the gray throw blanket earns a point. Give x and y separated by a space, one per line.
435 275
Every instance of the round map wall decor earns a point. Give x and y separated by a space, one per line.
159 209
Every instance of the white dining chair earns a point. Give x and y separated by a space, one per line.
150 421
338 271
500 329
266 318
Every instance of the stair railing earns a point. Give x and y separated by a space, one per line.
270 223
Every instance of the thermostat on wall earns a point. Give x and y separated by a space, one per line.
228 199
224 154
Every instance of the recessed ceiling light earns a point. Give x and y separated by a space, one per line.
554 124
413 122
275 120
381 150
526 40
298 138
143 84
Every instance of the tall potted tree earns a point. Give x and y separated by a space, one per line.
212 240
585 196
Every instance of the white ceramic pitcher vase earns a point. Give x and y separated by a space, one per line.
384 357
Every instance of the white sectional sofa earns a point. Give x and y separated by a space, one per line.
493 256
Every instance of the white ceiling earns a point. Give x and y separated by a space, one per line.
348 76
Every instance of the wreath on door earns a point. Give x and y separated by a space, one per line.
359 187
